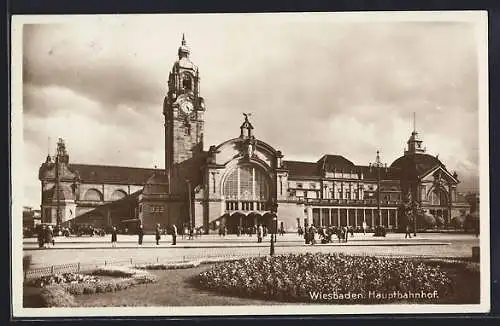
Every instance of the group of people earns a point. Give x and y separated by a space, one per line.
46 237
324 234
140 234
251 230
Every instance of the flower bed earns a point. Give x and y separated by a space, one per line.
168 266
59 290
296 277
65 278
117 271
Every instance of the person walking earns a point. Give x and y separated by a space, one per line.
346 233
364 227
312 235
41 236
282 229
174 234
408 231
157 234
260 233
113 237
49 236
140 234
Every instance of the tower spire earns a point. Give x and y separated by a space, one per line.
414 122
183 49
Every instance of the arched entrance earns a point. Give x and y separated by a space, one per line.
233 221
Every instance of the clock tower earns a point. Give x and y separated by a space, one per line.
183 110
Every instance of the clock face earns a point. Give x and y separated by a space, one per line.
186 107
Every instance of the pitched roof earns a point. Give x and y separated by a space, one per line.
388 173
302 169
112 174
334 162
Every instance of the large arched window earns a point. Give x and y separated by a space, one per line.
118 194
246 183
438 197
92 195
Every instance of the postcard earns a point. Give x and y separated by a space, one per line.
250 164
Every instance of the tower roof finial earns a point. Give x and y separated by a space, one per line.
246 127
183 49
414 122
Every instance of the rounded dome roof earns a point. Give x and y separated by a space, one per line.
423 162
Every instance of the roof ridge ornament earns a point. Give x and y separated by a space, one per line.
246 127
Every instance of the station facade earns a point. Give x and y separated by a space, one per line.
243 181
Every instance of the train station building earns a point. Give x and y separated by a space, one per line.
244 180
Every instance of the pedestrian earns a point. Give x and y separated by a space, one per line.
174 234
408 233
158 234
41 236
260 233
351 228
312 235
364 227
140 233
184 232
113 237
191 233
49 236
282 229
238 230
346 233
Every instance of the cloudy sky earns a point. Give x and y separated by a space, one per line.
314 85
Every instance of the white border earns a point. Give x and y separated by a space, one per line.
478 17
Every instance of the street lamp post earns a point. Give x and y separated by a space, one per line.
274 227
188 182
378 165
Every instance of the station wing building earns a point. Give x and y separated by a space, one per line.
243 181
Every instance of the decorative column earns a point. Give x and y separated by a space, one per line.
320 217
356 217
347 217
338 216
396 219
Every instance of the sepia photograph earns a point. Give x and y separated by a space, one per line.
250 164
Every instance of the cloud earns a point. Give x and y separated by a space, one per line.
313 87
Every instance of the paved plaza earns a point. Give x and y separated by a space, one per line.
98 250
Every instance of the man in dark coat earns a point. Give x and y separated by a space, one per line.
113 236
157 234
174 234
408 231
140 233
41 236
